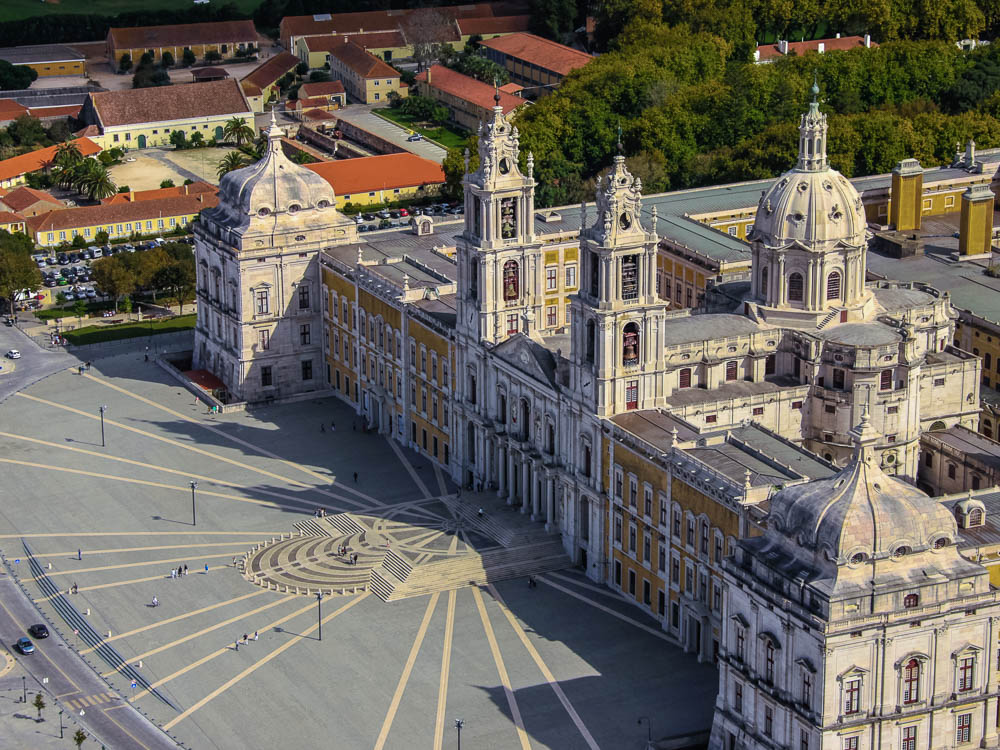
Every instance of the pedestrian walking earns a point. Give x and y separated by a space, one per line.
322 428
185 570
333 426
237 644
173 573
234 565
156 602
197 400
246 639
355 477
255 635
354 559
79 554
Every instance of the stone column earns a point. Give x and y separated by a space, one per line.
536 496
525 485
781 280
511 489
550 503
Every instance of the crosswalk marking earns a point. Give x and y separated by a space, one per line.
86 701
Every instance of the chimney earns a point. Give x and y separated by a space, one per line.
783 46
868 40
975 229
821 48
906 195
131 196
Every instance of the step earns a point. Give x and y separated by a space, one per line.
346 525
311 528
478 578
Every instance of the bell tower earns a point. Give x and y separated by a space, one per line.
499 259
617 317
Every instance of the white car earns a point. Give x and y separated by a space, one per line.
13 354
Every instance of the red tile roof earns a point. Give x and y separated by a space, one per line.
69 110
772 51
324 88
40 159
367 39
11 110
23 197
319 114
309 102
374 20
541 52
487 26
271 70
179 102
88 131
368 173
209 73
89 216
182 35
149 195
362 62
467 89
7 218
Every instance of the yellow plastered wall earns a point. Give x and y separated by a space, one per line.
121 230
59 68
426 380
143 135
975 231
392 195
905 202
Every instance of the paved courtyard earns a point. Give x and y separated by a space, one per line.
565 665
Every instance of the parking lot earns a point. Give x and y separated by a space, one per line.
401 217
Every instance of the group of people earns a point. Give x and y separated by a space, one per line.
245 640
352 557
181 570
319 513
56 340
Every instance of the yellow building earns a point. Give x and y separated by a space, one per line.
366 78
260 85
228 38
47 59
389 45
374 180
137 118
120 220
14 171
469 101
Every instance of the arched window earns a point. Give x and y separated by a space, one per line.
511 284
630 345
684 378
911 680
976 514
795 287
833 285
502 408
763 281
975 486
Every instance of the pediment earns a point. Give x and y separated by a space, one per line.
527 357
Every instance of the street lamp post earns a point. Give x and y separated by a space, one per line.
319 613
649 730
60 725
459 723
24 689
103 408
194 518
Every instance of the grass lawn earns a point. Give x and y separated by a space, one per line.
97 334
12 10
57 313
446 136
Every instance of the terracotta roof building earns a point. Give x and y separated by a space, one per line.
388 45
225 37
766 53
370 180
135 196
47 59
200 75
29 202
10 222
327 96
492 26
119 220
533 62
260 85
469 101
365 76
136 118
13 170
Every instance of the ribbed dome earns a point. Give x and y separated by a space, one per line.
860 514
273 185
811 205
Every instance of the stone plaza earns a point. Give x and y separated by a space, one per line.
563 664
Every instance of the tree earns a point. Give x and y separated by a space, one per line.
167 59
553 19
179 278
125 63
113 277
232 160
27 131
188 59
178 139
79 738
101 238
15 77
319 76
79 242
59 131
166 183
124 189
79 309
39 704
213 56
302 68
97 182
66 159
17 270
238 131
197 139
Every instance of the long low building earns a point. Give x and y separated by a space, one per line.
371 180
119 220
261 85
137 118
469 101
14 171
225 37
47 59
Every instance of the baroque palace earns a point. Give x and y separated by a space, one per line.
743 472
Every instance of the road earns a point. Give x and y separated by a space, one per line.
361 115
35 362
72 682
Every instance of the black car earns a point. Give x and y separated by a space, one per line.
75 258
63 259
39 631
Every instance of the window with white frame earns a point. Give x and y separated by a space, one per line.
852 695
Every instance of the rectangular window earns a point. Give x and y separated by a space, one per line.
305 334
264 339
551 278
307 370
768 721
851 743
803 739
738 698
758 411
966 673
690 532
618 529
648 500
963 728
303 298
741 643
885 380
632 394
571 276
677 524
838 379
512 324
852 696
731 370
633 491
551 316
908 739
646 547
807 689
631 539
265 376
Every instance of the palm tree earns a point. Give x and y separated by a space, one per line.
237 131
98 183
67 155
232 160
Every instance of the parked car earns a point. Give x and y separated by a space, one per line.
91 294
25 646
383 214
362 227
63 259
75 258
159 241
368 217
403 212
415 137
394 214
39 631
359 219
13 354
128 248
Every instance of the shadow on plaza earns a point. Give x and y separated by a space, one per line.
636 675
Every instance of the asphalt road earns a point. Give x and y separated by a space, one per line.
116 723
35 362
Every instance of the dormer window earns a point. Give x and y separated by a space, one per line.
970 514
911 600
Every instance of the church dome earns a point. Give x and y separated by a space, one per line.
273 185
811 205
860 514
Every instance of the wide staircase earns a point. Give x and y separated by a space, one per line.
397 579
